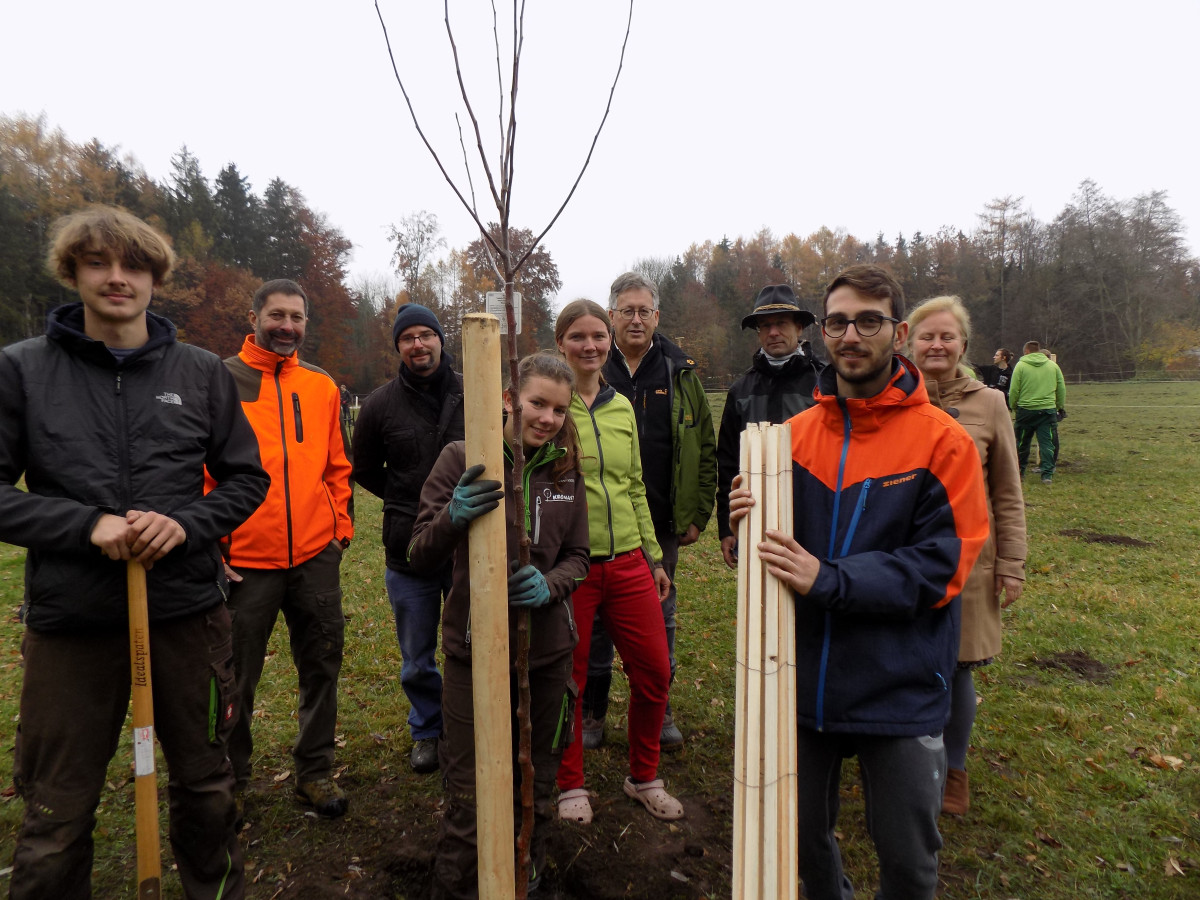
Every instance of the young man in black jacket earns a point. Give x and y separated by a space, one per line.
778 384
112 422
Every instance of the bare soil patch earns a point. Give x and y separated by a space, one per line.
1093 537
1090 670
383 848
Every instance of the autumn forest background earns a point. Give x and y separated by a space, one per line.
1110 285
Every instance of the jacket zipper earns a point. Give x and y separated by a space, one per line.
537 518
826 637
123 450
612 541
287 491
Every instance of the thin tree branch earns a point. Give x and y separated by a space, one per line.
511 139
462 88
499 82
416 124
611 92
466 166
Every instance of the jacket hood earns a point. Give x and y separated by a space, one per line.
906 387
942 393
1035 359
64 324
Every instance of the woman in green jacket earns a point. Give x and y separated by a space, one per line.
622 586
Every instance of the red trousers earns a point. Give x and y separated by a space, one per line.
622 590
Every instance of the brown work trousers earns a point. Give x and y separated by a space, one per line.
551 701
74 698
310 597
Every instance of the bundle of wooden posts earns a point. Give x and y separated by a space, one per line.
764 784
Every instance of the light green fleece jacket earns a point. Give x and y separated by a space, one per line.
618 515
1037 383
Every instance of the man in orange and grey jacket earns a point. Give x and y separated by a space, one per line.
286 556
876 588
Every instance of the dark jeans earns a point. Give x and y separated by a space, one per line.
74 697
601 654
310 597
417 608
1043 423
903 779
456 865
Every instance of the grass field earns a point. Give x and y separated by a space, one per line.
1085 767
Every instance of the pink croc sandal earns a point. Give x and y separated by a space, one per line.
574 806
657 801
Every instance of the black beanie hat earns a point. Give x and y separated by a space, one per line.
411 314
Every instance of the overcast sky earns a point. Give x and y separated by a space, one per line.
728 117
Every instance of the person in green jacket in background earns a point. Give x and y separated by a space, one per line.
1038 394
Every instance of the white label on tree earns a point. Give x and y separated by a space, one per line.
495 306
143 750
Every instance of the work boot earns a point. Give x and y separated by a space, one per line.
324 796
593 733
424 756
956 800
671 738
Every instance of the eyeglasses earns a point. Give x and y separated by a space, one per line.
425 337
629 312
867 325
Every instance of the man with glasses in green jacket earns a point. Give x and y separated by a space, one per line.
679 464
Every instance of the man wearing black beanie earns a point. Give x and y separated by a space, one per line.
401 429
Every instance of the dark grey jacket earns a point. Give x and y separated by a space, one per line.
94 436
764 394
397 439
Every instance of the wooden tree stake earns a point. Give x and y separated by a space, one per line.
489 614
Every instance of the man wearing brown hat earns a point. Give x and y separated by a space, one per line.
778 384
401 429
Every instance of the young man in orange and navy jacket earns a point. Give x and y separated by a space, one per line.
889 514
286 556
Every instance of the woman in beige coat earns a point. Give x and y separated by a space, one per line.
938 333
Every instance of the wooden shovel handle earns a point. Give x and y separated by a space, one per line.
149 850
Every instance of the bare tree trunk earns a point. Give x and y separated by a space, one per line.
504 266
524 722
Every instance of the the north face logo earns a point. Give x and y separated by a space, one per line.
171 398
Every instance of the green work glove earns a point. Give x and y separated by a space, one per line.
527 587
473 498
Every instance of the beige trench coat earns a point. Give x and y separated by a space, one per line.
983 412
